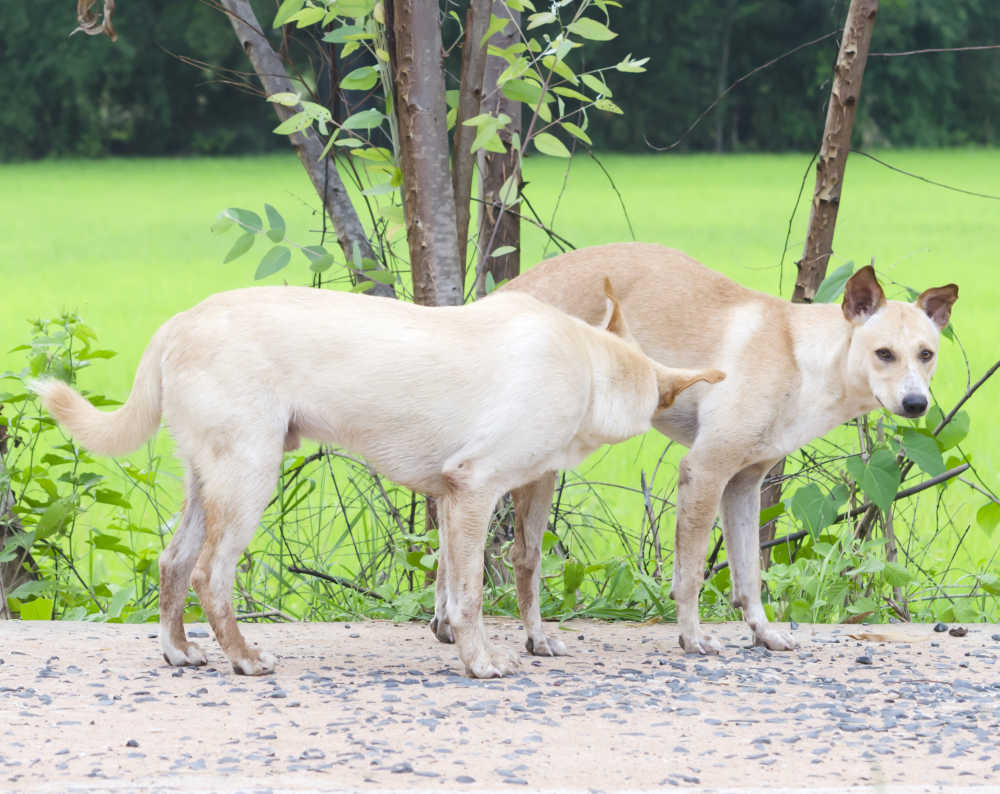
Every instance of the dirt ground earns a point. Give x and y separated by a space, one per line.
383 707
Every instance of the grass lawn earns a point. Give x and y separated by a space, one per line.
127 244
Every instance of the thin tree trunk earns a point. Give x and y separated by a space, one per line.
832 160
324 176
428 198
830 165
470 97
723 73
498 226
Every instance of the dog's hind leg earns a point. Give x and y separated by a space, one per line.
464 517
532 503
176 563
233 500
740 526
699 488
440 626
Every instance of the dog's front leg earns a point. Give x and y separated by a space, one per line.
740 526
532 504
464 519
699 489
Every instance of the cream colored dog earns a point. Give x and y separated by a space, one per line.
462 403
794 372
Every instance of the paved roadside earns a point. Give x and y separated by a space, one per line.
382 707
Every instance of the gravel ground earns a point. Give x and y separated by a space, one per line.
383 707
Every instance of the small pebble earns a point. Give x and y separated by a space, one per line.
958 631
401 768
131 743
940 627
793 625
864 660
465 779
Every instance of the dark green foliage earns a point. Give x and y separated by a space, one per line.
88 96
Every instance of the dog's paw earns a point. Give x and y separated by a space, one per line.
442 630
774 639
545 646
191 655
494 663
254 663
700 643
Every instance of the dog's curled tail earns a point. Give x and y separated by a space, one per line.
115 432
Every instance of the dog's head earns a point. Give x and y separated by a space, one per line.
894 345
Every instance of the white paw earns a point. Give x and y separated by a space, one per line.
543 645
774 639
255 663
698 642
493 663
190 656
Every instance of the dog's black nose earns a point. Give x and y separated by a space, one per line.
914 404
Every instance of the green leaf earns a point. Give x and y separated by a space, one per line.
629 65
897 575
954 432
591 29
813 508
109 496
362 79
596 84
878 479
37 609
222 224
53 518
276 222
923 449
608 106
547 143
539 19
119 601
576 132
294 123
831 286
319 258
286 10
572 576
990 582
497 25
307 16
503 250
521 90
248 219
287 98
363 120
240 247
988 516
273 261
771 513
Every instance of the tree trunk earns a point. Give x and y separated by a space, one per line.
428 198
832 160
498 226
846 89
322 171
723 73
470 97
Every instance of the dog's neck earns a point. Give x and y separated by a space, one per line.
821 341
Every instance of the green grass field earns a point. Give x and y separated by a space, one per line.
127 244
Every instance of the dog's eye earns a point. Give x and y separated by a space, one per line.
884 354
926 355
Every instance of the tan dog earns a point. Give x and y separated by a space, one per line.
794 372
461 403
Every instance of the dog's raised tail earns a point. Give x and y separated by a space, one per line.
115 432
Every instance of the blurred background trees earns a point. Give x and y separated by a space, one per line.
89 97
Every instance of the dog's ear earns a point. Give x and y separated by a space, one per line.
614 320
670 382
936 303
863 295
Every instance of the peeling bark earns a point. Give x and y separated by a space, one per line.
428 197
832 160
